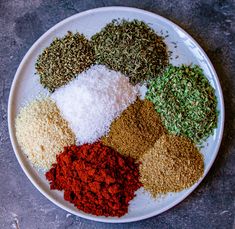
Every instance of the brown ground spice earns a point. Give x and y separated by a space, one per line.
173 164
135 130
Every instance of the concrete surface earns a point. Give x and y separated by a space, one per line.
210 22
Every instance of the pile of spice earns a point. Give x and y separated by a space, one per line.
186 101
42 132
135 130
95 178
173 164
63 59
132 48
93 100
122 141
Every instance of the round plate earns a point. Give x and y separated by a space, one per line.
26 86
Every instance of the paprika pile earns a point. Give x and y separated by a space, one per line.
95 178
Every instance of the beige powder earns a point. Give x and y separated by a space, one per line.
42 132
173 164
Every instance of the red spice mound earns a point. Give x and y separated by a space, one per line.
95 178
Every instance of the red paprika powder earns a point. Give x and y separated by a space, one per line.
95 178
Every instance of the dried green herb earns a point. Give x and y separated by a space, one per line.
132 48
186 101
63 59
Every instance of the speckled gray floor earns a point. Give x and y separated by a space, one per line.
210 22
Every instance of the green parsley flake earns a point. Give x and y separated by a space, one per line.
186 101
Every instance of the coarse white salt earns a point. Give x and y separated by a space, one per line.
93 100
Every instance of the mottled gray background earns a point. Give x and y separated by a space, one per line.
210 22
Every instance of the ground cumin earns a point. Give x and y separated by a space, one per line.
173 164
135 130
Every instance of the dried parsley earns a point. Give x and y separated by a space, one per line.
132 48
186 101
63 59
171 165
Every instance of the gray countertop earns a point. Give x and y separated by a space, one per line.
210 22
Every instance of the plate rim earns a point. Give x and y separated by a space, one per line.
11 122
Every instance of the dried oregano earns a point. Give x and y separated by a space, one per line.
63 59
186 101
132 48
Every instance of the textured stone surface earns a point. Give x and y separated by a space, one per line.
210 22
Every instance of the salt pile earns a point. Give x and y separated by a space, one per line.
93 100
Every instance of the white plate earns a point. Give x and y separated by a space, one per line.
26 86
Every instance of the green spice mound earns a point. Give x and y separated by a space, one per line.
186 102
63 59
173 164
132 48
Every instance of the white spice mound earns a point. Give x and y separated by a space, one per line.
93 100
42 132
